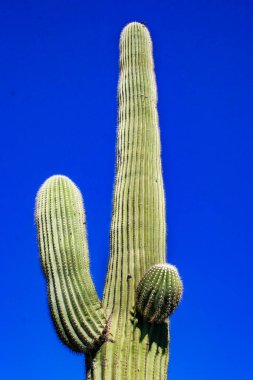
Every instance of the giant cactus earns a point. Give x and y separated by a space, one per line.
126 336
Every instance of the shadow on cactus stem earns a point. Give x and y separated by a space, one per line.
159 337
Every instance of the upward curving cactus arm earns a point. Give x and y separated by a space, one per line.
75 308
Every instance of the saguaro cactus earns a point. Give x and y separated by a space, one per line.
126 336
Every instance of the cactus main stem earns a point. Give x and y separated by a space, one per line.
138 231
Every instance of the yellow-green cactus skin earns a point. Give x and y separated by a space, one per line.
126 335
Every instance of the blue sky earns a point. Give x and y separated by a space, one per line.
58 115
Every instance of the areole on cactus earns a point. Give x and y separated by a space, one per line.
126 336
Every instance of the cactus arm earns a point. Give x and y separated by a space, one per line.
75 308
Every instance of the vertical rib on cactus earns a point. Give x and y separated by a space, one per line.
138 230
75 308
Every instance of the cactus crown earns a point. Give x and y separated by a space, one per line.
125 336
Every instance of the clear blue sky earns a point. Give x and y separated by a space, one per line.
58 115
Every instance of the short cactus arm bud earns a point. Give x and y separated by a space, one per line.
159 293
75 307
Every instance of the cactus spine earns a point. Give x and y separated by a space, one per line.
119 337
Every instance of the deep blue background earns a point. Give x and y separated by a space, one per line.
58 115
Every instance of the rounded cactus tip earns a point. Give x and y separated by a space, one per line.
55 180
159 293
135 29
56 177
134 24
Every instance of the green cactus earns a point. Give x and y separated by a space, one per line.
76 311
121 337
159 293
